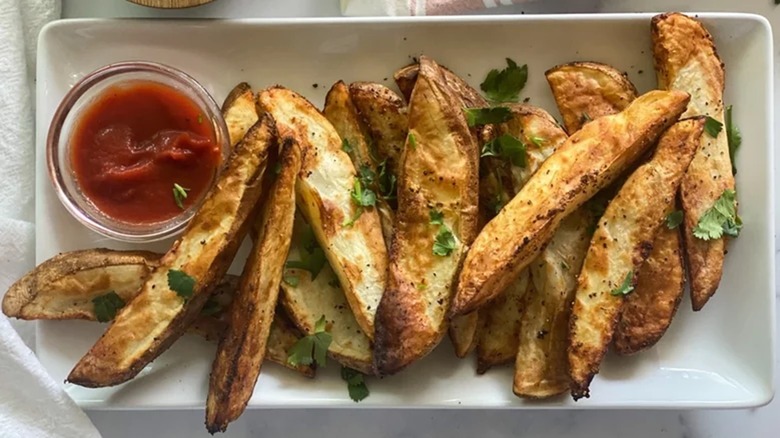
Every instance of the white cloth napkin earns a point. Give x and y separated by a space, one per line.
419 7
32 404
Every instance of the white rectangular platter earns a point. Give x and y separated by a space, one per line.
719 357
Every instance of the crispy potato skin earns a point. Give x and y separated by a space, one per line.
648 311
239 112
499 334
342 114
588 88
311 299
406 78
621 243
242 349
440 172
541 367
149 324
588 161
686 59
357 253
386 119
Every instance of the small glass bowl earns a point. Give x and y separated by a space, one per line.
66 119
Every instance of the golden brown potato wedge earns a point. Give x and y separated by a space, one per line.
588 161
406 78
342 114
242 349
438 183
541 368
500 329
239 112
307 299
464 333
158 315
350 235
386 119
686 60
588 90
621 243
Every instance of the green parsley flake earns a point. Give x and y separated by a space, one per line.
538 141
734 139
720 219
291 280
436 217
345 146
412 141
179 195
506 146
674 219
444 243
356 385
387 181
362 197
626 287
712 127
313 348
181 283
106 306
505 85
487 116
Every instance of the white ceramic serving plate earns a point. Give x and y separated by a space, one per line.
720 357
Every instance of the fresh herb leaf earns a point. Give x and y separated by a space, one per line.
487 116
356 385
720 219
436 217
212 307
627 286
345 146
505 85
362 197
181 283
366 176
422 286
179 195
674 219
313 348
538 141
734 138
312 257
387 181
290 279
444 243
412 141
106 306
712 127
507 146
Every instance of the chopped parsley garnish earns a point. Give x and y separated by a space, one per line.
505 85
538 141
362 197
290 279
487 116
412 141
345 146
313 348
436 217
179 195
312 259
734 139
356 385
445 242
674 219
626 287
506 146
386 181
106 306
712 127
181 283
366 175
720 219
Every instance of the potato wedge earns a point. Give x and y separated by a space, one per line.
242 349
352 241
439 175
464 333
588 161
541 368
621 243
386 119
307 299
588 90
157 316
686 60
501 325
239 112
406 78
342 114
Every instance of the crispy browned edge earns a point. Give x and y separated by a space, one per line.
406 77
402 334
237 91
596 102
99 366
705 258
242 348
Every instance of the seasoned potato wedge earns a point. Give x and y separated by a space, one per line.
406 78
686 60
541 368
242 349
307 299
158 315
588 90
438 181
620 245
501 325
239 112
350 235
588 161
386 119
342 114
464 333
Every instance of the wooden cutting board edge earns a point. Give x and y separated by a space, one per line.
170 4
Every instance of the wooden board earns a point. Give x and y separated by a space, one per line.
170 4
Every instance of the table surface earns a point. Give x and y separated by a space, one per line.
753 423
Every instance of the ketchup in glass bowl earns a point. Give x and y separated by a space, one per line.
134 148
